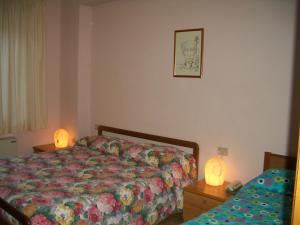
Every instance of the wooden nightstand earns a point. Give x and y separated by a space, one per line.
200 197
46 148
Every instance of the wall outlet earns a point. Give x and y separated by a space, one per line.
223 151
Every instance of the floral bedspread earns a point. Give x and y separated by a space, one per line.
250 207
83 186
265 200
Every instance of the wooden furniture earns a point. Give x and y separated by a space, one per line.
44 148
200 197
272 160
47 148
23 219
296 202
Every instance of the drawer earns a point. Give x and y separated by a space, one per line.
190 212
199 201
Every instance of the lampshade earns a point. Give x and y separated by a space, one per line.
61 138
214 171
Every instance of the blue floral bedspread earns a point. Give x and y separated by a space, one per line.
266 200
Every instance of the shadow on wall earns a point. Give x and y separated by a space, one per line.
295 100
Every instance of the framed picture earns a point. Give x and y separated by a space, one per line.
188 53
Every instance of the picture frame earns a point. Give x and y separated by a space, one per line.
188 53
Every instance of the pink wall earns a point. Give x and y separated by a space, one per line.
242 101
69 67
75 69
84 71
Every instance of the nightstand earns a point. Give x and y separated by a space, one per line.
46 148
200 197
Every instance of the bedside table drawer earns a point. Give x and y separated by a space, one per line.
199 201
190 212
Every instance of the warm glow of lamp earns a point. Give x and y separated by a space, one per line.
214 171
61 138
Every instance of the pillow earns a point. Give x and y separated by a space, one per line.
179 163
105 144
275 180
83 142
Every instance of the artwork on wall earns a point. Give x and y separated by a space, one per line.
188 53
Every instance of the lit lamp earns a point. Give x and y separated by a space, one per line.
61 138
214 171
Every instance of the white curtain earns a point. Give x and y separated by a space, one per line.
22 75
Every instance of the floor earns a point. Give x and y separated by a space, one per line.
173 220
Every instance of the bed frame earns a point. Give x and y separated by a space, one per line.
276 161
172 141
23 219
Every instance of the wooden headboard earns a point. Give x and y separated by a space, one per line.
172 141
276 161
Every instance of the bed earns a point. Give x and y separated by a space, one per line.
102 180
266 199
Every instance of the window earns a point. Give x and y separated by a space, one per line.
22 75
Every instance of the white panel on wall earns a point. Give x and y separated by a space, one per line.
8 147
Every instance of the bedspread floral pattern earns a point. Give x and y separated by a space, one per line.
255 203
84 186
251 206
